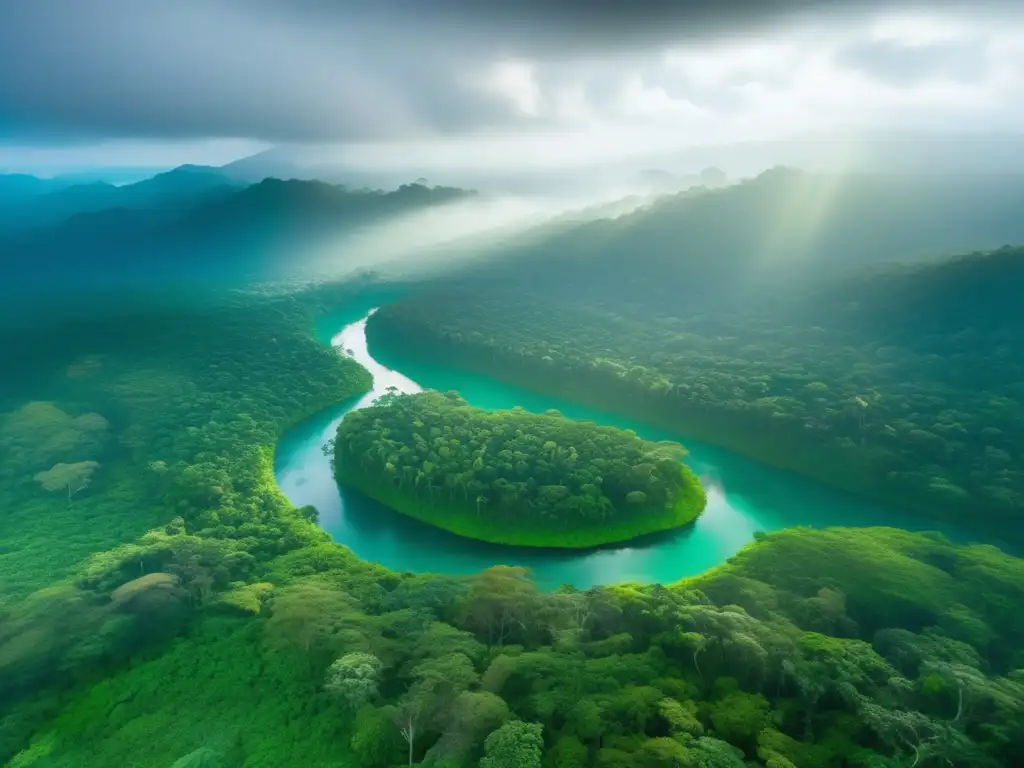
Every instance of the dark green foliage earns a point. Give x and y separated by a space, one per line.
375 742
904 386
219 235
355 677
515 745
221 688
183 504
762 241
182 419
513 477
204 757
567 752
184 614
697 681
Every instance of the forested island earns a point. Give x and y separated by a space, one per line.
903 384
164 605
512 477
178 611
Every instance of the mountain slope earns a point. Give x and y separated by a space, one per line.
42 202
256 232
901 383
785 229
19 187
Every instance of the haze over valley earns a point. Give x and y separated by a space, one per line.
533 385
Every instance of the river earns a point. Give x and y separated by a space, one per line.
743 496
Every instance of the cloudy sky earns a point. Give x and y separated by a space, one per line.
525 83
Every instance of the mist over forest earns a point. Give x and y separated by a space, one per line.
546 385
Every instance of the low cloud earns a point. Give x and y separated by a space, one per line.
555 79
901 64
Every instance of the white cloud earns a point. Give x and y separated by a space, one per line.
640 101
733 63
510 80
940 72
922 28
798 82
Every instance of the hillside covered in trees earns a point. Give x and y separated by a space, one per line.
766 662
512 477
177 611
384 385
761 242
902 383
27 202
163 605
136 442
266 231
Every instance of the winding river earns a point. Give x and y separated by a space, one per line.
743 496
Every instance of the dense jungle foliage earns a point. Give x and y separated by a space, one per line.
164 606
903 384
870 647
513 477
762 241
136 449
271 230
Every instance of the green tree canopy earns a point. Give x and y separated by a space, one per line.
514 745
68 477
511 476
355 677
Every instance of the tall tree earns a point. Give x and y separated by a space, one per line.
74 477
309 615
355 677
515 745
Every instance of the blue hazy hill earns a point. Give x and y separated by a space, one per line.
27 202
230 237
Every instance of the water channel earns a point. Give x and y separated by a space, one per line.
743 496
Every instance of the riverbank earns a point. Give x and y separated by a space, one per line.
450 517
744 497
513 477
264 604
766 444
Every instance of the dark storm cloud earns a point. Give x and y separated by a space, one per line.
899 64
574 26
191 69
312 70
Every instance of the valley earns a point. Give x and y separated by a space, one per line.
744 497
171 516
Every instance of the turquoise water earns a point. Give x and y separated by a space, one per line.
743 496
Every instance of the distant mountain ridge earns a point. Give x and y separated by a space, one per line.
980 291
760 242
30 202
19 186
922 153
243 233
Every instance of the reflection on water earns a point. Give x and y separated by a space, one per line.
743 496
